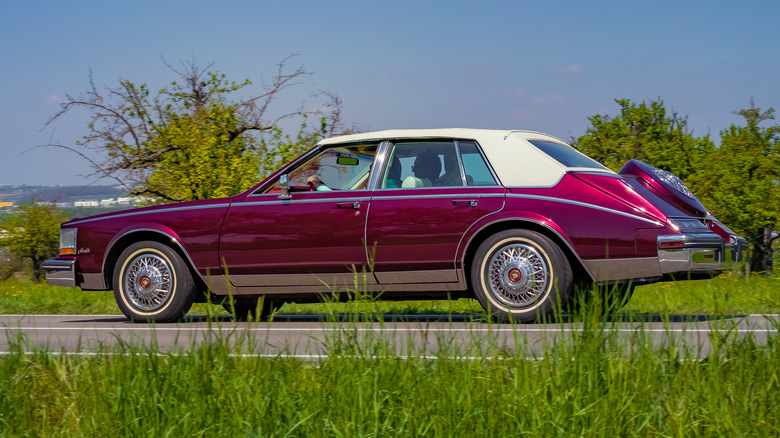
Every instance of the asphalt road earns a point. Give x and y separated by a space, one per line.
310 338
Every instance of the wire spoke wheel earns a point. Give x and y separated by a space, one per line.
153 283
518 275
148 283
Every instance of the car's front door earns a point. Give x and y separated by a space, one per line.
315 238
429 195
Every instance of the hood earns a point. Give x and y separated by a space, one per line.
150 210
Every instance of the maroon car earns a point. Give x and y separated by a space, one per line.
515 219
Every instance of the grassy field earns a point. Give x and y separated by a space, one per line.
733 295
591 384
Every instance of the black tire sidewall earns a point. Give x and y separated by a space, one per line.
559 270
243 307
177 304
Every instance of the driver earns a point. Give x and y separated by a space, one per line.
316 184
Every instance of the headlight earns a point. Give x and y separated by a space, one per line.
67 241
673 181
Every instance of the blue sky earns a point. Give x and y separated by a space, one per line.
543 66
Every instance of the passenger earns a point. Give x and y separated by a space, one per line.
426 169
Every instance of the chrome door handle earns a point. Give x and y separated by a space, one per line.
353 205
465 202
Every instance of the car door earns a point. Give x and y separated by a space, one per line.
314 238
420 211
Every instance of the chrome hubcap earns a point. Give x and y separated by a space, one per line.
518 275
148 282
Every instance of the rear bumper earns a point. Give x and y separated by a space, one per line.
700 252
60 272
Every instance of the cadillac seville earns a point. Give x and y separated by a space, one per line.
515 219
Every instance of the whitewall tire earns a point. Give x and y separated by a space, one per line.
152 283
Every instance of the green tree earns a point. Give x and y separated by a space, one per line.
647 133
32 233
190 140
741 182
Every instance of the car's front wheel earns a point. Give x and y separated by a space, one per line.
152 283
520 275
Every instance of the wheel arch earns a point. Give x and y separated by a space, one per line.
130 237
579 270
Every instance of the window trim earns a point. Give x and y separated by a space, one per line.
378 167
308 156
386 146
496 180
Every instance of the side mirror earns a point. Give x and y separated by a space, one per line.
284 184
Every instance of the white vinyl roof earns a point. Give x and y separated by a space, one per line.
517 162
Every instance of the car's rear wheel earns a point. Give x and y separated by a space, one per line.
520 275
152 283
250 309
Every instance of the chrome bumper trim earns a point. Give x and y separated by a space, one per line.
700 252
60 272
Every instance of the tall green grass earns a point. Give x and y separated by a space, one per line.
756 294
737 294
593 383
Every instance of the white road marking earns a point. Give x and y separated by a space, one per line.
394 329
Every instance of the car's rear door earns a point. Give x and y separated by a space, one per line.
413 231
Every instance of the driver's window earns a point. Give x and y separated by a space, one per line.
343 167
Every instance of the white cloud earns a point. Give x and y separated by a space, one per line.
547 99
54 99
519 91
571 69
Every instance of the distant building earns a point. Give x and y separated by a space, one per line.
86 204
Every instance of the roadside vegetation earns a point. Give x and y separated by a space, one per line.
737 294
593 383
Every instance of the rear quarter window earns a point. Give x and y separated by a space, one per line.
567 155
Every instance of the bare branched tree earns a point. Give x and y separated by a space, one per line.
188 141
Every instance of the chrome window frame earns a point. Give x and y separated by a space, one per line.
312 153
386 146
496 180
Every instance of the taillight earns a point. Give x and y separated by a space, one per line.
670 245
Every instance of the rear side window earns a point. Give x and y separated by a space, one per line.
414 164
474 166
566 155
